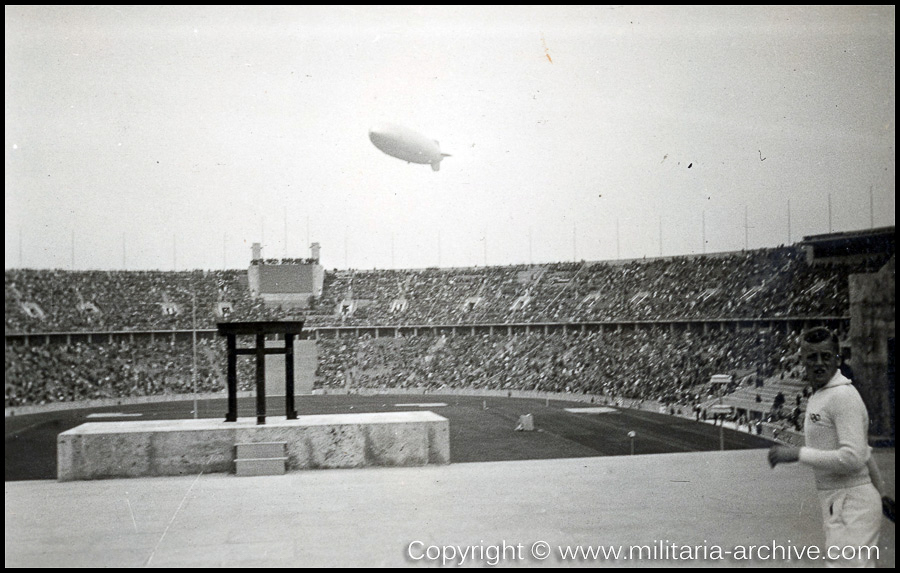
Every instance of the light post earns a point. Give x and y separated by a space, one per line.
193 294
194 344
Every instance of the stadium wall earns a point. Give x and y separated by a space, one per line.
787 324
106 402
649 405
872 328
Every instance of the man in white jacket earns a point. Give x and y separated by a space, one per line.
837 449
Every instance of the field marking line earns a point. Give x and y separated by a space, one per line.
131 511
593 410
28 427
174 515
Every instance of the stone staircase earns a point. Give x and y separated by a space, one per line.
260 459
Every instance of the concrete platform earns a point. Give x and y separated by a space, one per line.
393 516
182 447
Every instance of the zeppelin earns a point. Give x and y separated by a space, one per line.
407 145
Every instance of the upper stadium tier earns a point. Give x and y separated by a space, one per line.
759 284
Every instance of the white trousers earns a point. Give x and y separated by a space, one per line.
852 525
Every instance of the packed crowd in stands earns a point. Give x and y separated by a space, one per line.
72 372
659 363
652 364
767 283
104 301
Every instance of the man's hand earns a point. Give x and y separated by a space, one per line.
783 455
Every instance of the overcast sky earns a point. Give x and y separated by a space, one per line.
174 137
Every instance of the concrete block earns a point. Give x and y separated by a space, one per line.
176 447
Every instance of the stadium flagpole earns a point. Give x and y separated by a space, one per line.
660 235
530 257
194 326
574 243
618 252
789 221
830 227
703 233
746 230
871 208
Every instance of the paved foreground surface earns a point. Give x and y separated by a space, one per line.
391 516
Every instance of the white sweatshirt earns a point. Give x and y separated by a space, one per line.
837 429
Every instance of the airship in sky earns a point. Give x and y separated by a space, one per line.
408 145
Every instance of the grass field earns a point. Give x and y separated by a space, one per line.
481 429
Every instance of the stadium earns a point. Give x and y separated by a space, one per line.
483 346
299 286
